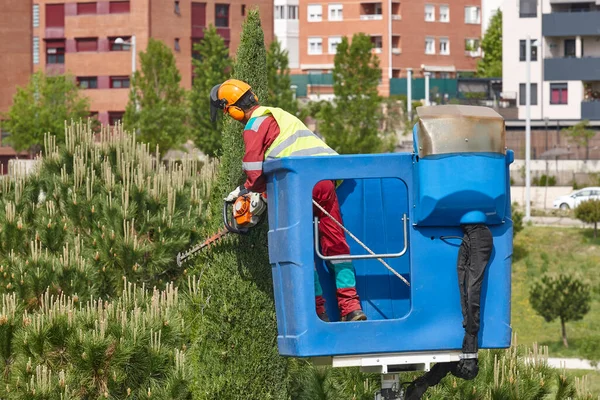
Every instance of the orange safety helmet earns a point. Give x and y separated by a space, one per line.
225 97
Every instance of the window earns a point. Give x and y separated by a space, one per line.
117 7
36 50
527 8
279 12
114 117
445 13
118 82
472 45
177 47
559 93
429 45
333 43
472 15
198 15
315 12
292 12
55 51
429 12
315 46
522 94
86 8
444 46
86 44
36 15
570 48
87 82
55 15
177 9
243 10
523 51
335 12
222 15
3 135
119 46
377 42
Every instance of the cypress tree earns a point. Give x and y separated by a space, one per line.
234 332
213 65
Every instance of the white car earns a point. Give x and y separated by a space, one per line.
574 199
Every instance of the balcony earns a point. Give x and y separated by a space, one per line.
473 53
371 12
590 110
371 17
583 23
572 69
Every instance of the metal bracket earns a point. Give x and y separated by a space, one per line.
361 256
390 363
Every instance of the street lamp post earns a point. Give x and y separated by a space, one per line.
528 128
132 44
133 50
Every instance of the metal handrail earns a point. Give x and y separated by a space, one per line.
361 256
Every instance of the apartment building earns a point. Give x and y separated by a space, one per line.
287 30
437 37
15 59
565 58
94 40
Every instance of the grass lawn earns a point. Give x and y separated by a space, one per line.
540 249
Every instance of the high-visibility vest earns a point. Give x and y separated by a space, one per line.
294 139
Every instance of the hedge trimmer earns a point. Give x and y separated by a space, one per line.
247 211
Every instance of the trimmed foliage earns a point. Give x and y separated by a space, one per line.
234 326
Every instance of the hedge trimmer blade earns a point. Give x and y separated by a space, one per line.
191 253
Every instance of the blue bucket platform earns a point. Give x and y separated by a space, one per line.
411 204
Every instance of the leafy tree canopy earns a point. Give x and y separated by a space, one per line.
42 107
157 109
490 66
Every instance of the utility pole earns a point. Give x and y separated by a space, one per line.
528 131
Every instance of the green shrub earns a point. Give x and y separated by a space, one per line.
589 211
517 218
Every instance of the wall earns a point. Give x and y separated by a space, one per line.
16 43
565 171
591 47
539 195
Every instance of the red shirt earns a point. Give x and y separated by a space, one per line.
259 134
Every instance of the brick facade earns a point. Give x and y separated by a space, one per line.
166 20
399 31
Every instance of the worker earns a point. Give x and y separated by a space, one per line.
270 133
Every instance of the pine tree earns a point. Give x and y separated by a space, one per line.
156 108
41 107
213 67
490 66
234 332
82 240
351 123
280 92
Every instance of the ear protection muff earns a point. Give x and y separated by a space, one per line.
236 112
